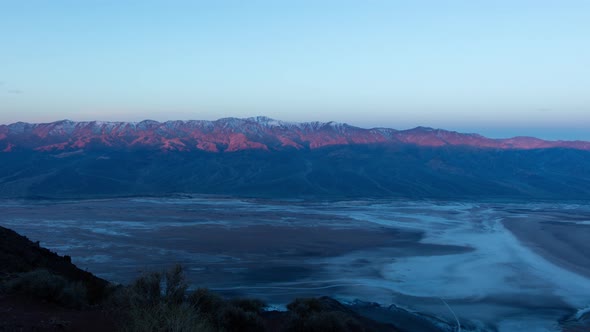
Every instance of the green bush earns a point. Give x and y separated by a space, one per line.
45 285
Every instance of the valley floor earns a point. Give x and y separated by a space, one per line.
498 266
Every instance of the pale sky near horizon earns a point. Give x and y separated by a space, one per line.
501 68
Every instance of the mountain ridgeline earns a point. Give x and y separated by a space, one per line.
261 157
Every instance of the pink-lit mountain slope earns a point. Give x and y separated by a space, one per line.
232 134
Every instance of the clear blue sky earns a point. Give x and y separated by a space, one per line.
498 67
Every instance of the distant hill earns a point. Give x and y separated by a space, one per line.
262 157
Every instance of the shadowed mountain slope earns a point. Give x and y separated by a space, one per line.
371 170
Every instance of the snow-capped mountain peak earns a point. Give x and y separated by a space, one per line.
234 134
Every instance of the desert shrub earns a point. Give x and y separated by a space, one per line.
163 316
156 302
305 306
206 302
311 315
176 285
249 305
330 321
235 319
146 290
45 285
228 316
73 295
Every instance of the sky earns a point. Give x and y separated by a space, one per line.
497 67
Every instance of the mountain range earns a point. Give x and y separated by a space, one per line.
262 157
233 134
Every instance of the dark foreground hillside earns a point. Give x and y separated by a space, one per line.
331 172
41 291
19 255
